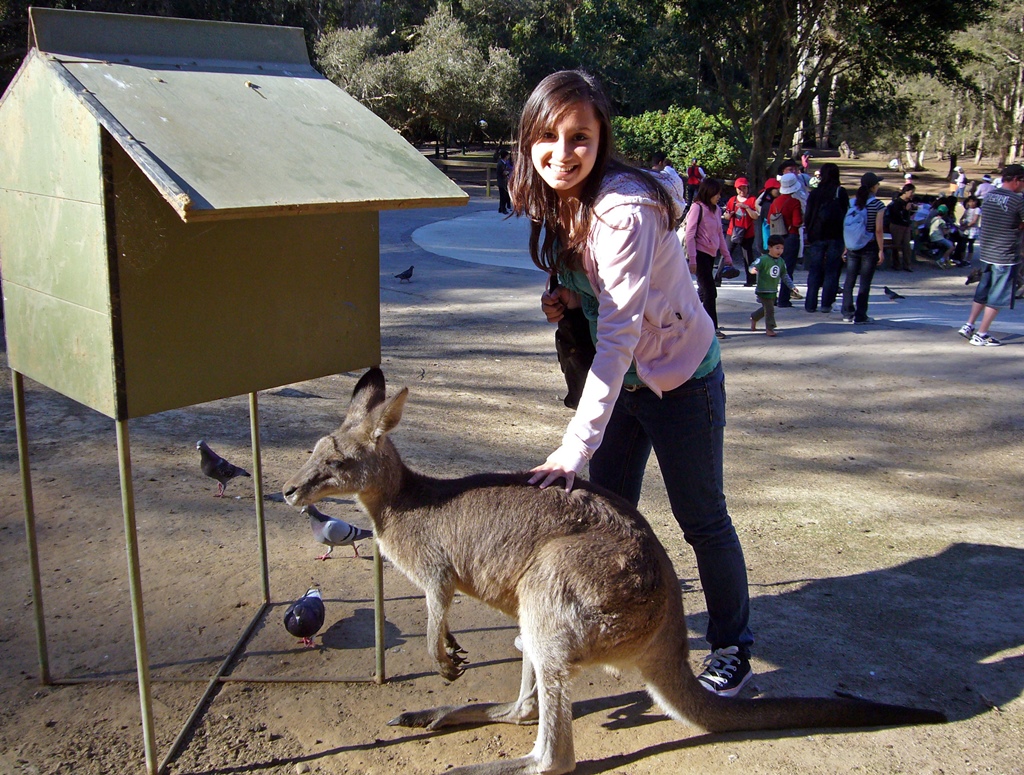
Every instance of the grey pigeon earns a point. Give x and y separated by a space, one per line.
892 294
216 467
406 276
333 532
305 616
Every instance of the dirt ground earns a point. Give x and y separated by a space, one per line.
875 478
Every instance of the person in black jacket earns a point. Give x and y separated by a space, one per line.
504 170
823 249
901 227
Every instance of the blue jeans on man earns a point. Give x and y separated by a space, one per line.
824 262
686 429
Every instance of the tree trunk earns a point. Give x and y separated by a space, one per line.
830 109
910 150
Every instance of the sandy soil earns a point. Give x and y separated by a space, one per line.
875 477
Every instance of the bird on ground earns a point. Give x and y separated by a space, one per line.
305 616
892 294
406 276
333 532
216 467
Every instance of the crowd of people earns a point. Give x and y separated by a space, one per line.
819 222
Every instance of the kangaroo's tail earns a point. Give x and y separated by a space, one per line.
672 685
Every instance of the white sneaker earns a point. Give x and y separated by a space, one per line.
966 330
984 340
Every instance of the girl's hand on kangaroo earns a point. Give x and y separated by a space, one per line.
548 473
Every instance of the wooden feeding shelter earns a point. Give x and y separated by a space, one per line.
158 174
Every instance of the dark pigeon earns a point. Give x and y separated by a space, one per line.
333 532
305 616
216 467
892 294
406 276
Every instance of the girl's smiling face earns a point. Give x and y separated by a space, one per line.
565 153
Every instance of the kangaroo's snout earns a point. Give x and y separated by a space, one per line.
290 493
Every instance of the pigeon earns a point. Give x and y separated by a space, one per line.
305 616
892 294
216 467
334 532
406 276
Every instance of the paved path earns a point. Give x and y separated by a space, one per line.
933 297
471 266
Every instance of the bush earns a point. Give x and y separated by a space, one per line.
682 135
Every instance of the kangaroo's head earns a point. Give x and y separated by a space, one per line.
358 456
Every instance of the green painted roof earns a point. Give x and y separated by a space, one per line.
231 120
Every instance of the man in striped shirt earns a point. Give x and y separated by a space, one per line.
1002 221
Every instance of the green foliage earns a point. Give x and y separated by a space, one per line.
683 134
442 87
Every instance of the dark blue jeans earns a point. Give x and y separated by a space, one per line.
790 254
824 262
859 264
686 429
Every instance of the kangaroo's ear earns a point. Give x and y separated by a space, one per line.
368 393
385 418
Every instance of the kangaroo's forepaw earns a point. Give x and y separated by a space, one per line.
455 652
451 670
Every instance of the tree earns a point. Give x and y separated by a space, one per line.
442 87
770 60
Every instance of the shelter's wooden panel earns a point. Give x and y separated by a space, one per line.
55 246
218 309
53 240
50 140
60 345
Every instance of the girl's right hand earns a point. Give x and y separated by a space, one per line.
555 303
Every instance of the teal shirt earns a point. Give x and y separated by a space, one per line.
578 282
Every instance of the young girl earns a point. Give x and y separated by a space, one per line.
704 239
656 381
970 224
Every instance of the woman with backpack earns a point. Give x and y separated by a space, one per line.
823 251
864 238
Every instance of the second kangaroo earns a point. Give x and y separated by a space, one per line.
582 572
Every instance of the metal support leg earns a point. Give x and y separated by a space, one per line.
135 585
378 611
257 483
18 385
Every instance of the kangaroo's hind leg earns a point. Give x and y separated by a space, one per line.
553 752
523 711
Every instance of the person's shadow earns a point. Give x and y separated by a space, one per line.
934 632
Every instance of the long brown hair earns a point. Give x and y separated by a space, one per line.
707 190
559 229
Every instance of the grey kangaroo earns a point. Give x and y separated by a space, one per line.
582 572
